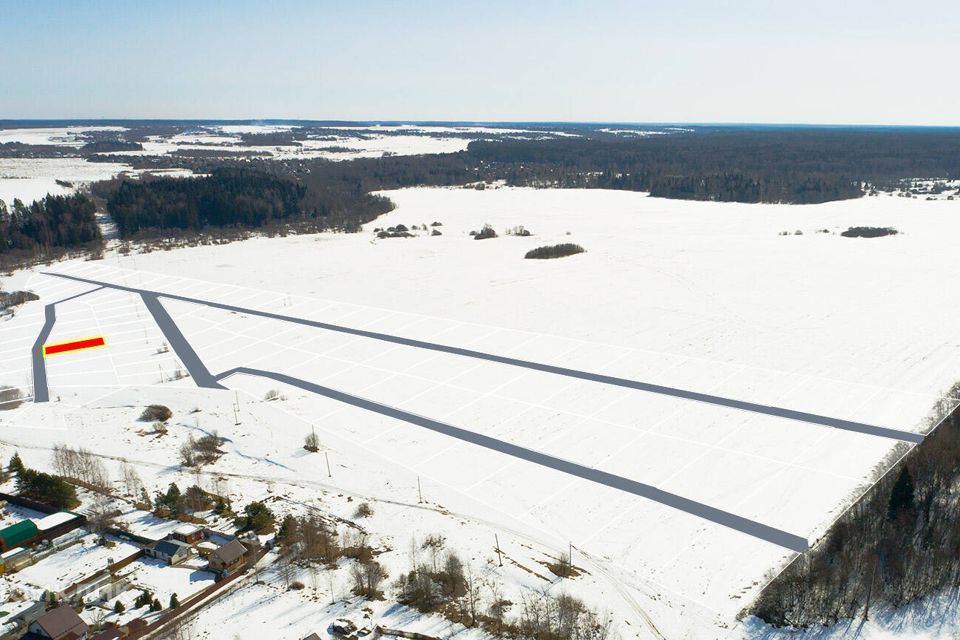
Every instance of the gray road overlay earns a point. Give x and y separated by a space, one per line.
204 378
730 403
198 371
41 393
718 516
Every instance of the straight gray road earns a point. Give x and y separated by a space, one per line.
718 516
195 367
686 394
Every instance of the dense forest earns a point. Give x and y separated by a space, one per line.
739 164
239 196
898 543
47 228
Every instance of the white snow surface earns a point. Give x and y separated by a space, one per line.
62 136
701 296
30 179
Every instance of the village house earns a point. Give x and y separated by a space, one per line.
61 623
170 551
228 557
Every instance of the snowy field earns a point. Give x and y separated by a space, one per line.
699 296
31 179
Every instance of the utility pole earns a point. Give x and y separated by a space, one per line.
499 557
327 456
419 490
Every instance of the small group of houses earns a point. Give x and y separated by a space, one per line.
33 539
224 554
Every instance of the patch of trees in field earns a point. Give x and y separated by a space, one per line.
554 251
47 228
898 543
110 146
869 232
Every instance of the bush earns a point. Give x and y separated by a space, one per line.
554 251
311 442
483 234
869 232
364 510
203 450
156 413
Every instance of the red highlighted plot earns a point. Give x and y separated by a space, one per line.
74 345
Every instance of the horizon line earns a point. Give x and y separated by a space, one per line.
502 123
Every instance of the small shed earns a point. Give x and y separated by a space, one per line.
206 548
15 559
21 533
57 524
188 533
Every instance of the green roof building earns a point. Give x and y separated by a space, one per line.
18 534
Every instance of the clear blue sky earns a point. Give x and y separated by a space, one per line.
810 61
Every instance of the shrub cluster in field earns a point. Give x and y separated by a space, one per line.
203 450
554 251
484 233
310 539
900 542
155 413
438 581
869 232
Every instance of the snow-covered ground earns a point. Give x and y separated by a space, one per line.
30 179
702 296
60 136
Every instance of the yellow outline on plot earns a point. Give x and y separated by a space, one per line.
60 353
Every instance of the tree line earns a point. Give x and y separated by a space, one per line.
227 197
898 543
47 227
740 164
